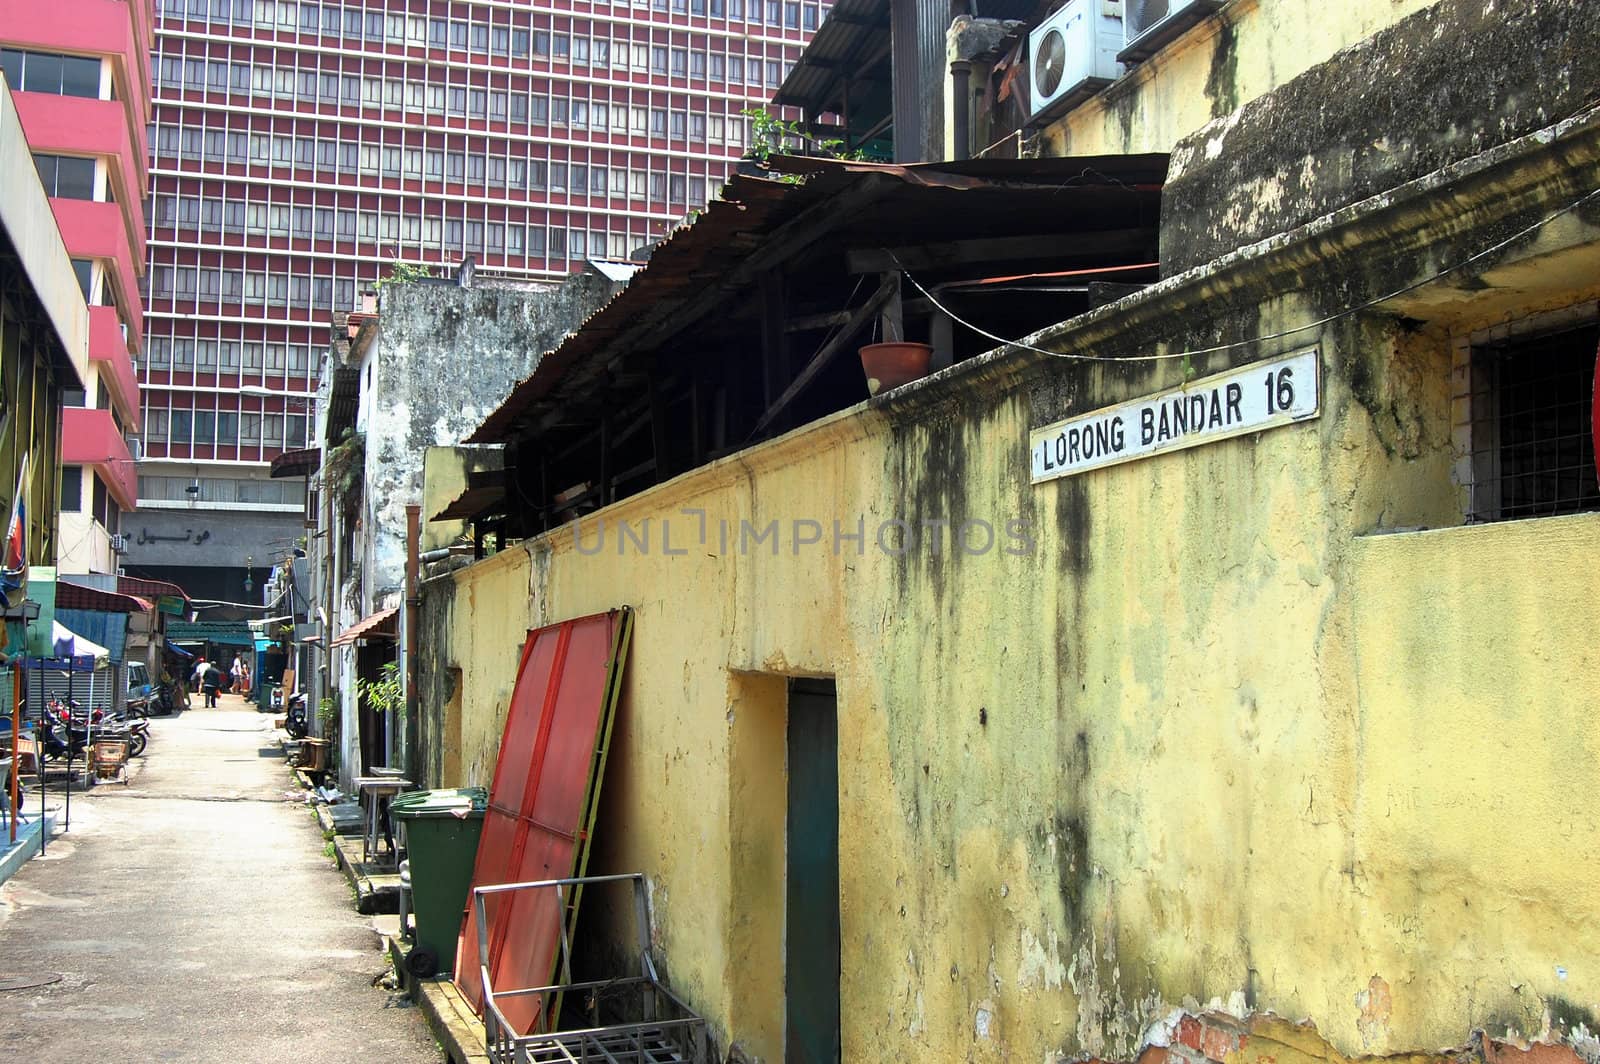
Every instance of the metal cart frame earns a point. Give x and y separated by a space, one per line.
658 1029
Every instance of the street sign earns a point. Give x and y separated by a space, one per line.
1249 399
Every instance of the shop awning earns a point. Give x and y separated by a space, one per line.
301 463
380 625
176 649
228 633
107 629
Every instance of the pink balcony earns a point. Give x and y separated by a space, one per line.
90 438
116 29
107 347
72 125
95 231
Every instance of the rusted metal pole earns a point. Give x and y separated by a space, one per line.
15 775
413 613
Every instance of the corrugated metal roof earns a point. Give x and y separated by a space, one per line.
708 262
853 34
73 596
380 625
230 633
300 463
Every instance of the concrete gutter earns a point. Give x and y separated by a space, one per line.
28 838
454 1024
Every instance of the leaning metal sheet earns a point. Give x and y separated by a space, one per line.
542 802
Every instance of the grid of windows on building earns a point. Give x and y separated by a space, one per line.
300 149
235 490
199 428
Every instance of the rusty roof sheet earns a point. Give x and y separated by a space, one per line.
150 589
300 463
70 596
705 261
380 625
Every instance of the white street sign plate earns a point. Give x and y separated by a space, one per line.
1249 399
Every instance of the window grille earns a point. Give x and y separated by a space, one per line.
1531 444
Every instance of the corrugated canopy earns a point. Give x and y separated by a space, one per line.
72 596
485 491
301 463
707 270
380 625
228 633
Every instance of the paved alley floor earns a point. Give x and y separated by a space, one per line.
192 917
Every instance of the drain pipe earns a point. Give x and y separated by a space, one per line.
961 104
413 612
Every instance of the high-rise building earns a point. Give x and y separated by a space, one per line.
80 83
302 149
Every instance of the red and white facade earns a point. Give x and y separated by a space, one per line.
78 74
301 149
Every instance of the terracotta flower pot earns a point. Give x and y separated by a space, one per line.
891 365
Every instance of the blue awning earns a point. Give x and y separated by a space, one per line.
264 644
110 630
176 649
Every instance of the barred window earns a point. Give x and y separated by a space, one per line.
1531 446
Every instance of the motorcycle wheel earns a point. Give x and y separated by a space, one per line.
295 727
137 741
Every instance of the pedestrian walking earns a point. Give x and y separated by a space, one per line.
211 681
244 679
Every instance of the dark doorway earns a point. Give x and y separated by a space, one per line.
371 728
811 926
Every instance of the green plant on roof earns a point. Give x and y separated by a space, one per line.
405 273
770 134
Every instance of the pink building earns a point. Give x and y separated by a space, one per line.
77 73
301 149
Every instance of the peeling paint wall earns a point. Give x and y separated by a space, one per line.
1214 743
445 358
1197 756
1249 49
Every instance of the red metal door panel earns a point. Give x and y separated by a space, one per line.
541 805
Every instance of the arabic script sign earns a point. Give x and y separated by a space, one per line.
1249 399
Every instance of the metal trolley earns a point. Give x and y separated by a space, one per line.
633 1019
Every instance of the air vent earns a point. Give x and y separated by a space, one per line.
1072 55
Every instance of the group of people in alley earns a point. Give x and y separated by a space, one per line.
212 680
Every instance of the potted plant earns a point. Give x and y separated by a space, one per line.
893 362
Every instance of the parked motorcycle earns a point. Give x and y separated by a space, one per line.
67 730
161 702
295 722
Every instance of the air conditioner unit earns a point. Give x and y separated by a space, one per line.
119 542
1151 24
135 447
1072 55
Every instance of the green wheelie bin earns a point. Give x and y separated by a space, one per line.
440 830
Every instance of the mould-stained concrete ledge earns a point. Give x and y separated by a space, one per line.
459 1031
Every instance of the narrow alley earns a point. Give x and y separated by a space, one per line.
192 917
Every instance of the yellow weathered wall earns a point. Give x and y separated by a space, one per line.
1249 49
1209 742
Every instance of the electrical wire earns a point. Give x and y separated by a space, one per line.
1319 323
211 604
